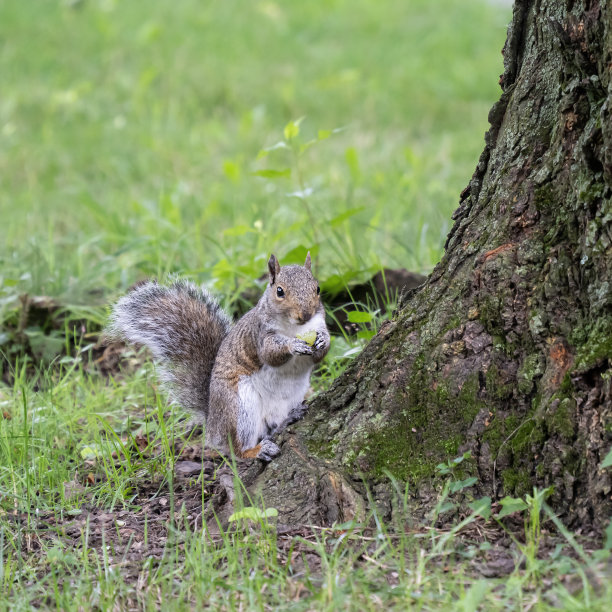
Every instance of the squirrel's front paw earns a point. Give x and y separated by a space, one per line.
297 413
299 347
322 341
268 450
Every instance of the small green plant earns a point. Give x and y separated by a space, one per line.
252 513
453 484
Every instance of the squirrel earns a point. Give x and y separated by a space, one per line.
249 379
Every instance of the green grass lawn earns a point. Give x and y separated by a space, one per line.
130 138
141 139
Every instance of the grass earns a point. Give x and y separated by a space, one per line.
195 138
69 538
130 142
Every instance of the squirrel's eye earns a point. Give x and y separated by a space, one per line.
280 292
318 290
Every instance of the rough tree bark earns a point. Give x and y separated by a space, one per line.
506 349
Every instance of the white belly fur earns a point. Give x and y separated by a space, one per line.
267 396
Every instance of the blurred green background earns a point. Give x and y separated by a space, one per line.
133 137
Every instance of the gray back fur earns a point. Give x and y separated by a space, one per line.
183 326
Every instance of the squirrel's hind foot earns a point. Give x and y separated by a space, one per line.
268 450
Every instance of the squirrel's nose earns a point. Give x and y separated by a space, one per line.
304 317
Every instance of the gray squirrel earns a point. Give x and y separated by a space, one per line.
249 379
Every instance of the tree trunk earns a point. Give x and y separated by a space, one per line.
505 350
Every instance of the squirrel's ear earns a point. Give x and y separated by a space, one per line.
307 262
273 268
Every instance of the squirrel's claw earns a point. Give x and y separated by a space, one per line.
268 450
296 413
321 342
300 347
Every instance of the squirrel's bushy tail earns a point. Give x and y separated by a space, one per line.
183 326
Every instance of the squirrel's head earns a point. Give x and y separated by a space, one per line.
293 290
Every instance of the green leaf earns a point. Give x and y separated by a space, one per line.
482 507
55 555
466 455
292 129
237 230
253 514
458 485
45 346
335 283
89 452
348 525
297 255
305 146
357 316
447 507
366 334
231 170
347 214
443 468
69 359
352 160
510 505
274 174
607 462
323 134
